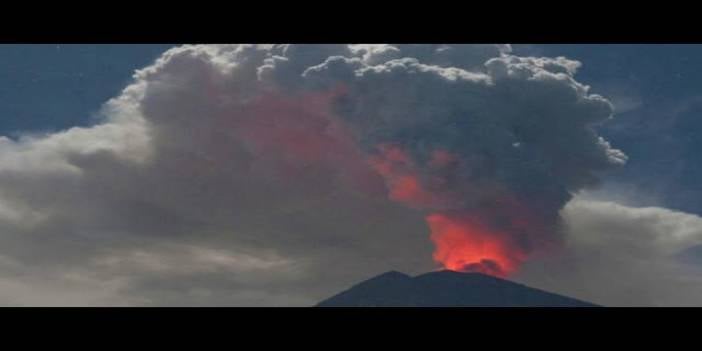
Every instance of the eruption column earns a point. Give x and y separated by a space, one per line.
463 238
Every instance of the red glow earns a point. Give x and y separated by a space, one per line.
477 240
442 158
299 136
400 174
300 130
464 244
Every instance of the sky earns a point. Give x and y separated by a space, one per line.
72 81
248 176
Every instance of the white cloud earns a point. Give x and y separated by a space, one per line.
617 255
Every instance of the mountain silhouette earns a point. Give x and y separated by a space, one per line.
446 289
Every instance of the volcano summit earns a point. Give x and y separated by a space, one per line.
446 289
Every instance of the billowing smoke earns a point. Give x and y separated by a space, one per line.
277 174
490 146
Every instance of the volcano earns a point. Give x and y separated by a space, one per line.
446 289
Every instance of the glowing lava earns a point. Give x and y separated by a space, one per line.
466 240
464 244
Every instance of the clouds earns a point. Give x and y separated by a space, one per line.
543 129
241 175
197 161
519 128
623 256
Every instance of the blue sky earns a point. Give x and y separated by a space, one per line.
51 87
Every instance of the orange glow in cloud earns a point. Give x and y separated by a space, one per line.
300 135
399 172
464 244
442 158
464 241
295 136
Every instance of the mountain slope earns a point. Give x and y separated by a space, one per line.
446 289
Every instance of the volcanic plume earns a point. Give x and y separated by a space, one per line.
490 153
494 237
488 146
286 148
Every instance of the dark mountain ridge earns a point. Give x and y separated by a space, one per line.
446 289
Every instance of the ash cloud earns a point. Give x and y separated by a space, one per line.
520 128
